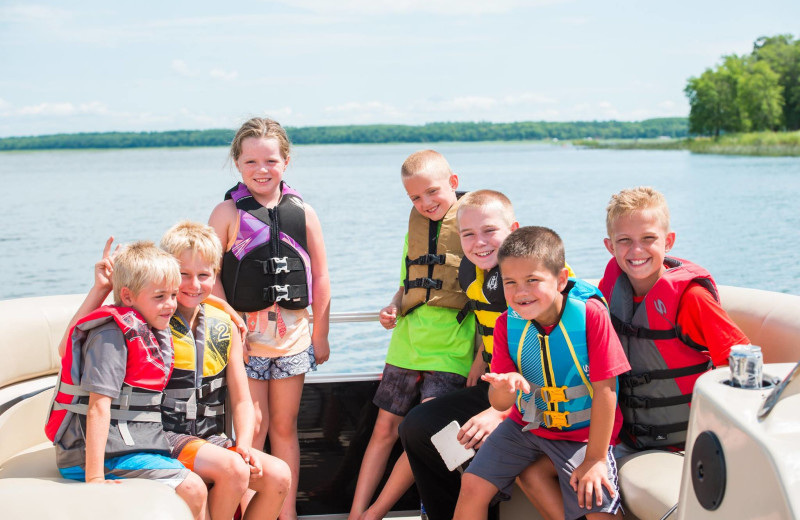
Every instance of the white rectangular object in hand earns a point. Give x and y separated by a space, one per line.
453 453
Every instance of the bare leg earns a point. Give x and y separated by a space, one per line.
399 481
474 498
259 394
284 405
193 491
270 489
384 435
228 472
539 482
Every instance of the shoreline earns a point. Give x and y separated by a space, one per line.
757 144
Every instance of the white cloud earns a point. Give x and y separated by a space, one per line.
446 7
279 113
182 68
63 109
33 14
224 75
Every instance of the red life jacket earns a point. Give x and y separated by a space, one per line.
146 375
665 363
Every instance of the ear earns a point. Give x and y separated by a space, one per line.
453 180
288 158
514 226
609 245
126 296
563 278
670 241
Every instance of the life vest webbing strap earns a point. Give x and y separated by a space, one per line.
202 391
422 283
125 400
276 293
483 330
634 401
626 329
279 265
428 259
120 415
632 381
475 305
535 418
639 430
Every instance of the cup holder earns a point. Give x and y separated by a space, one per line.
768 382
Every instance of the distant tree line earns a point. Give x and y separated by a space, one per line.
750 93
429 133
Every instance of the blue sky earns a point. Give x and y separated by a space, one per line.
137 66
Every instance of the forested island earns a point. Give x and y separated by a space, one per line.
675 127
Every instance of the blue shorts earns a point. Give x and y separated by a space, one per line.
267 368
150 466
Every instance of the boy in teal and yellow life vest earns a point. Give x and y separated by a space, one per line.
555 364
430 353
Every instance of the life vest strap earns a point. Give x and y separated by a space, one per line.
277 265
422 283
634 401
552 419
486 356
626 329
427 259
632 381
639 430
276 293
126 399
483 330
115 413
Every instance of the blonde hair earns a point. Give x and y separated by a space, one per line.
425 161
141 263
637 199
259 127
484 199
198 238
535 243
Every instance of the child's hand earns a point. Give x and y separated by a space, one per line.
255 465
475 431
105 266
322 350
588 479
476 370
509 382
388 316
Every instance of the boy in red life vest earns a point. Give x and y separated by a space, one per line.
668 317
105 420
555 364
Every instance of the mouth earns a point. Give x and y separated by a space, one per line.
637 263
484 254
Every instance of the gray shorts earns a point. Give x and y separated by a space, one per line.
509 450
267 368
401 387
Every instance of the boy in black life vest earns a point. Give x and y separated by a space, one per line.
555 364
106 419
430 353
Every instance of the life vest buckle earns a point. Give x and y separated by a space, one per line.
277 293
555 419
554 394
637 380
277 265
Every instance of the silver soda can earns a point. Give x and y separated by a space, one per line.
745 363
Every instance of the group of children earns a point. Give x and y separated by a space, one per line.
220 313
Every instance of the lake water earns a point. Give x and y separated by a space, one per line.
736 216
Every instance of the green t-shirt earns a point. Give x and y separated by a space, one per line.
430 338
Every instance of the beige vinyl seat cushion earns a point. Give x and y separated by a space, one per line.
650 482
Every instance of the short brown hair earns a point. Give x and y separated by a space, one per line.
535 243
198 238
260 127
141 263
485 199
637 199
425 161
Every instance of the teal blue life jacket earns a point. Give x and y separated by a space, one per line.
556 365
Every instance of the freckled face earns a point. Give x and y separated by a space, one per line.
262 165
482 230
533 291
156 302
432 194
639 242
197 281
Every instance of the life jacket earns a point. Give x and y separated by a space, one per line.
268 262
555 364
146 374
486 300
655 395
434 254
194 400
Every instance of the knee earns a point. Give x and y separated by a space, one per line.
414 429
474 488
277 476
193 491
385 429
283 427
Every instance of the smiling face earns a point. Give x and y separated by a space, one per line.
532 290
482 230
262 164
156 302
432 193
639 241
197 281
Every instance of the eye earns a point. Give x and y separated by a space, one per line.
467 234
623 241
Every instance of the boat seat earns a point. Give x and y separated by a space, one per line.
650 483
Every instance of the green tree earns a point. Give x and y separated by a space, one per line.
782 54
712 99
759 98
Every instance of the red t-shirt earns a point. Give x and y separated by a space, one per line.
606 360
